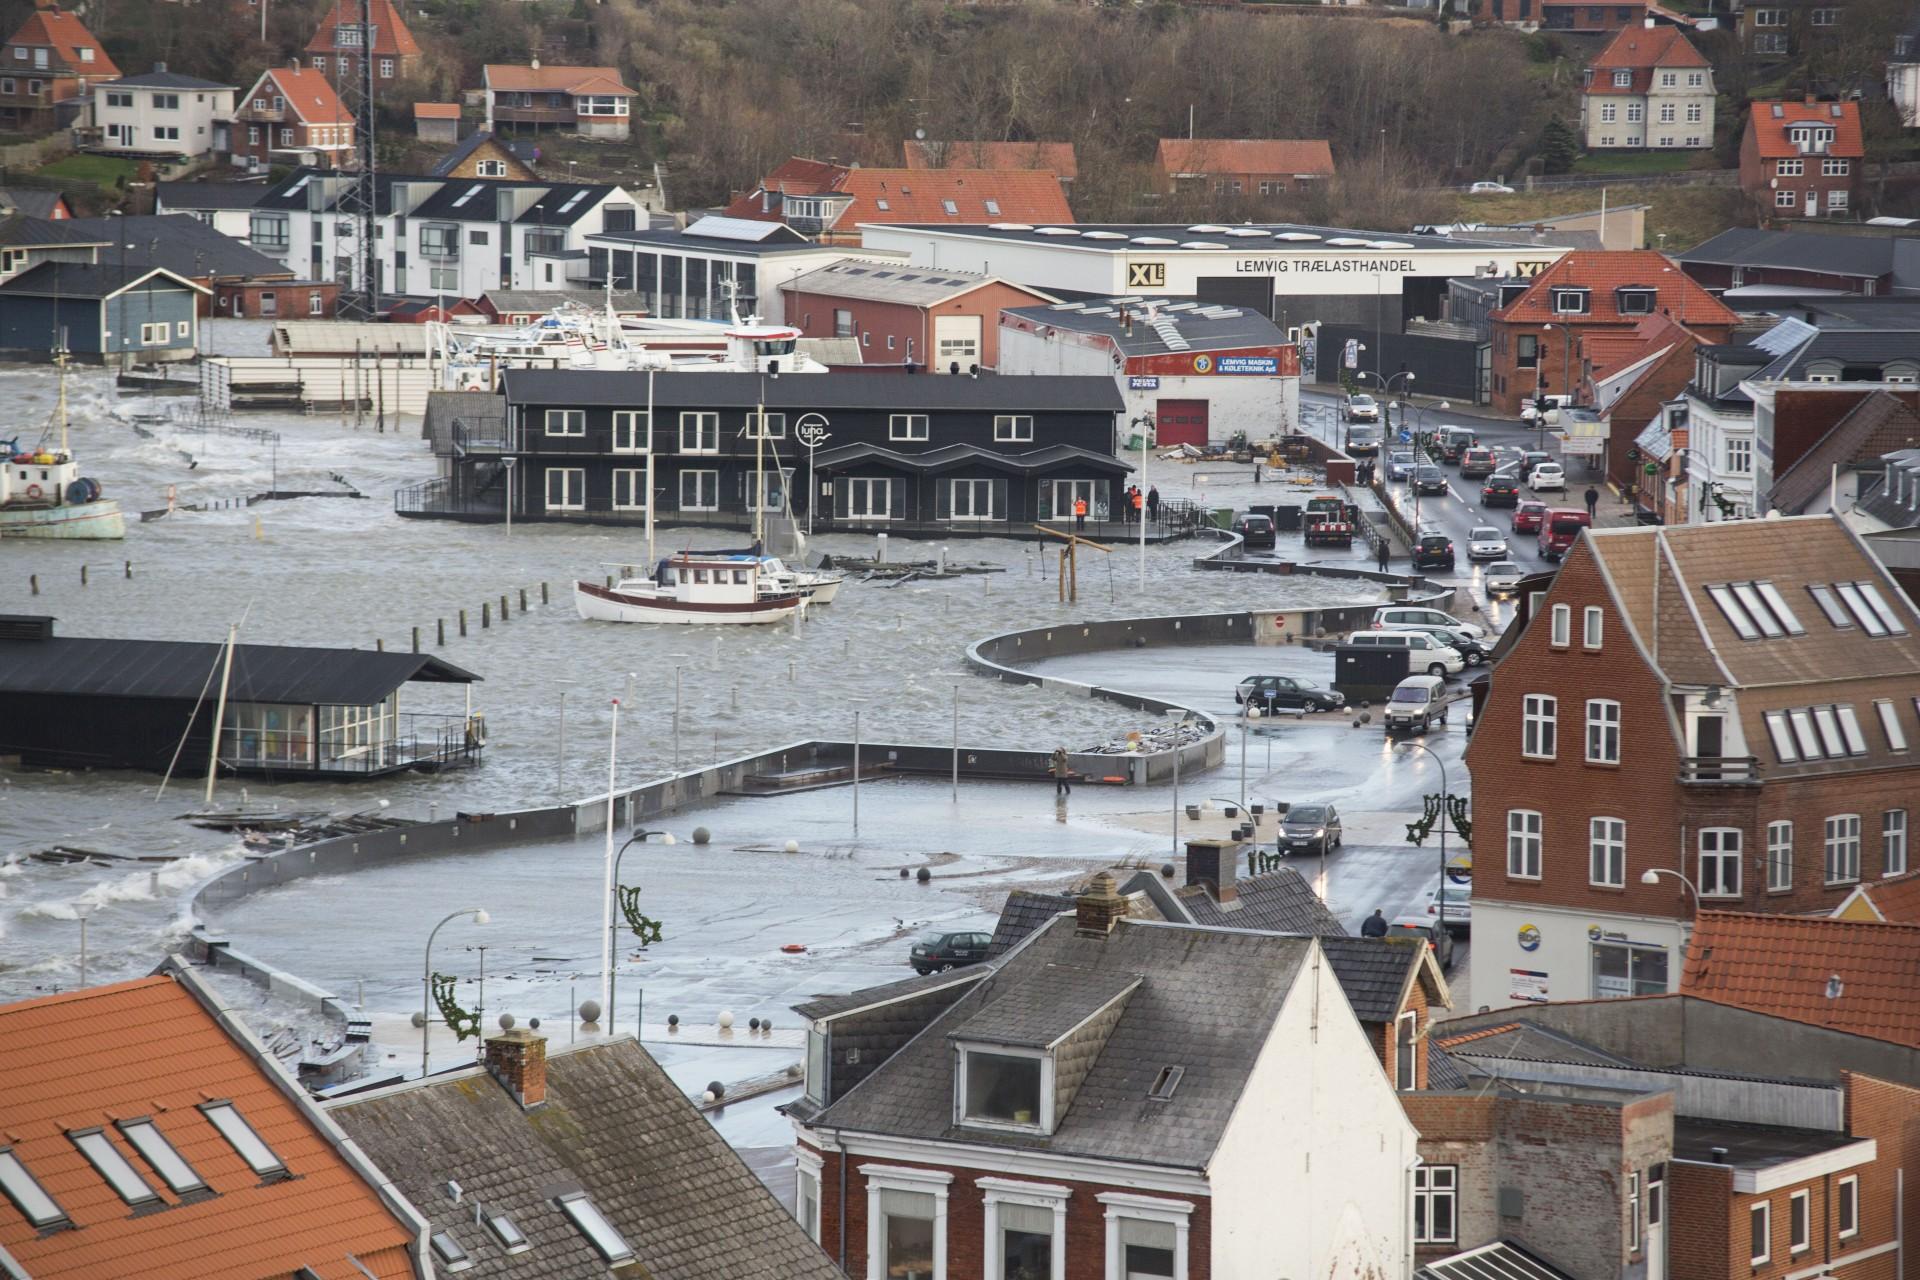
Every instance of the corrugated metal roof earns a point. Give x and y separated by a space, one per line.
892 282
86 667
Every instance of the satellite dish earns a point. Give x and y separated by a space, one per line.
920 134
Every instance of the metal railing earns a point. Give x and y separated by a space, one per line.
1720 770
420 738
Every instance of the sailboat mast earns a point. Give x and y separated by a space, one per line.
60 362
760 471
220 710
649 506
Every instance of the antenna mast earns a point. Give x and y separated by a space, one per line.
360 299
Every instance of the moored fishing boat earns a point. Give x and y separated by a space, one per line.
43 494
689 590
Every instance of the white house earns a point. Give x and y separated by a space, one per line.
441 237
1082 1108
162 113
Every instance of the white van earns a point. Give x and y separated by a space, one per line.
1418 702
1429 654
1388 616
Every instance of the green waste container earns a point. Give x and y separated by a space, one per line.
1223 517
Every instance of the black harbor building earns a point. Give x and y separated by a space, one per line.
896 452
291 712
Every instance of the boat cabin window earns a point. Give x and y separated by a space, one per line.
700 575
740 575
775 346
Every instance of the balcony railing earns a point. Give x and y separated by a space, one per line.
1720 771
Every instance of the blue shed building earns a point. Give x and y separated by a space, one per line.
117 315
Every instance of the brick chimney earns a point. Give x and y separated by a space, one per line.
518 1060
1213 863
1097 910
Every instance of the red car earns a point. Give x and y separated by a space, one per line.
1527 517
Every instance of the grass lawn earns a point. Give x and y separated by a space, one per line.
1599 164
102 171
1685 215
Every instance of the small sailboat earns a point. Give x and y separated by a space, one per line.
43 494
689 589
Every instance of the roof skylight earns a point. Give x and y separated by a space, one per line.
1202 244
1890 725
234 1128
449 1252
27 1194
1782 734
595 1227
114 1167
1207 229
1871 620
159 1153
1056 231
511 1237
469 194
1735 612
1830 605
1154 240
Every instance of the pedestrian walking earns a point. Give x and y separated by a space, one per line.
1382 556
1079 515
1062 786
1593 500
1153 503
1139 503
1375 925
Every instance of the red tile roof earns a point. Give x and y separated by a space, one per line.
1056 157
1603 271
1770 131
148 1048
506 77
1850 976
66 35
914 195
1896 898
1280 156
1649 47
436 111
309 95
390 34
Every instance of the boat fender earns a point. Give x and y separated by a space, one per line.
33 491
794 948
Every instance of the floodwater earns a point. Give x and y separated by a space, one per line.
346 572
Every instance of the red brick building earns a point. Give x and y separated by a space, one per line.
1802 159
291 110
1057 158
1724 709
1629 378
281 299
1537 337
1585 17
1243 166
935 320
339 44
47 69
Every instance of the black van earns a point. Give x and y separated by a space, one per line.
1433 551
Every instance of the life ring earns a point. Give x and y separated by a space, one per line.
794 948
33 491
1279 624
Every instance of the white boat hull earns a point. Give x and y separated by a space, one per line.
99 521
821 592
599 604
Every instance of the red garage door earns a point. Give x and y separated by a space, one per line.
1180 422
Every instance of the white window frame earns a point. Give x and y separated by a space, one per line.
1779 856
1728 848
1607 852
1803 1202
773 424
1789 168
637 486
563 505
1592 627
1785 199
1044 1104
1840 831
887 1177
807 1168
909 426
1846 1207
1526 844
1739 456
706 427
1893 842
1623 79
1633 1212
1764 1209
562 422
1121 1205
1013 428
1049 1196
1539 726
1408 1080
1603 730
1561 634
1425 1188
632 427
681 488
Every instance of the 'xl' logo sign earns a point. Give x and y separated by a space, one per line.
1146 275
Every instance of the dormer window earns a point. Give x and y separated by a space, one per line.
1623 79
1570 302
1814 137
1635 301
1005 1089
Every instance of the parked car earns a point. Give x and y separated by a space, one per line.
1416 705
1433 551
1420 927
1548 476
1310 828
1476 463
1531 458
1400 464
1489 189
1502 578
1485 543
1287 692
1560 529
1255 531
1474 651
1499 491
942 950
1527 516
1459 900
1362 408
1424 652
1530 407
1389 616
1428 478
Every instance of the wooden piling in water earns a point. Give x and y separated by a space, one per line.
463 624
543 594
83 575
523 599
503 606
33 580
440 633
416 639
129 568
379 646
486 615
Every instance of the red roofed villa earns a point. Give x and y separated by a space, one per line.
337 45
830 201
143 1138
1648 88
1802 159
1243 166
47 68
1537 338
289 113
592 101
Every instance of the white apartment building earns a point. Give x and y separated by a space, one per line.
162 113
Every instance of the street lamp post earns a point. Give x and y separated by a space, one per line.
1179 717
1386 392
1144 425
1247 717
83 910
1445 792
1422 411
508 463
613 951
480 916
812 431
1652 876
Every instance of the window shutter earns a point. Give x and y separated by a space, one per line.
1025 1217
1142 1234
906 1204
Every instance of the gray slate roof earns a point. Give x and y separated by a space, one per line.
23 229
1206 1001
1281 901
1025 911
826 391
521 151
85 280
160 78
1200 326
179 243
1797 251
1373 972
888 282
833 1006
1044 1006
31 201
211 195
84 666
613 1125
